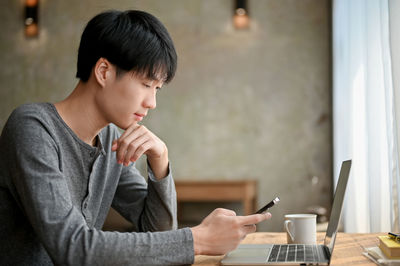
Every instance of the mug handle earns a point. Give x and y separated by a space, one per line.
287 222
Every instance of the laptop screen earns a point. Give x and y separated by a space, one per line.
337 206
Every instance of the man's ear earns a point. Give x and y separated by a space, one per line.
102 71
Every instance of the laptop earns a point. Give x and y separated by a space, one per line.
295 254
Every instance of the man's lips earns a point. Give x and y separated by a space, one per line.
139 116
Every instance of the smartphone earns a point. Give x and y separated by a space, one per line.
268 205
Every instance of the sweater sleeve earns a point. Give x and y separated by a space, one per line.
150 207
43 195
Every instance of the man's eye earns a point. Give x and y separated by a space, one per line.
146 85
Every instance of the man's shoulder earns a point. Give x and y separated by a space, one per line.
27 117
28 110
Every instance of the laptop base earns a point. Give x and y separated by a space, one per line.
262 254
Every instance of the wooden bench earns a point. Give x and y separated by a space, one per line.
244 191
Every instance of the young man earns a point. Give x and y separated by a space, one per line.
63 165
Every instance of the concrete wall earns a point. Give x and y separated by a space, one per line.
250 104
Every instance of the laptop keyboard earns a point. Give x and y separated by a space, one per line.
294 252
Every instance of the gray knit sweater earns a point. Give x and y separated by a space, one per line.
56 190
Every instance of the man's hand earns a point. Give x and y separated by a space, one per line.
138 140
221 231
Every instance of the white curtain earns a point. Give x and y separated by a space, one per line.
394 29
364 118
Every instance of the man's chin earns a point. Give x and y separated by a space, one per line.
125 126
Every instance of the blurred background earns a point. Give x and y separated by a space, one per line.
246 104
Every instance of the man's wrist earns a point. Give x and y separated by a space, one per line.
198 242
159 165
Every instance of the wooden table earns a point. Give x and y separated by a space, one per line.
348 248
244 191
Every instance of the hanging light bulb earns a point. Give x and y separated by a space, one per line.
31 18
241 18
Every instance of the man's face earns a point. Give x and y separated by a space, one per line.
126 99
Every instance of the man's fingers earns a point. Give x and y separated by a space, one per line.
139 151
124 143
254 218
225 212
129 130
133 148
114 145
117 142
250 228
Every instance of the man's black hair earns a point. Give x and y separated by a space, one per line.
131 40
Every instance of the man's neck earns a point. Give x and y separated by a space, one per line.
79 112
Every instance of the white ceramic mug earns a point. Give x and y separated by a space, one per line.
301 228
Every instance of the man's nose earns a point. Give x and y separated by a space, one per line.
150 101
